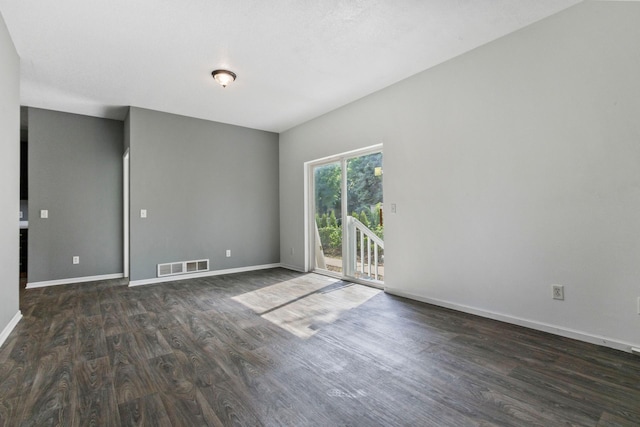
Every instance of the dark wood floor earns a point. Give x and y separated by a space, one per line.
187 354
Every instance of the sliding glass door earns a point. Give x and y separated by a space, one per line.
365 220
327 193
347 216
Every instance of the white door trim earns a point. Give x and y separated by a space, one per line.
125 204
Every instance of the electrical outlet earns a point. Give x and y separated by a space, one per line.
394 208
76 260
558 292
228 253
143 213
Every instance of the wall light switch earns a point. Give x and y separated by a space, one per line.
143 213
44 213
76 260
21 215
394 208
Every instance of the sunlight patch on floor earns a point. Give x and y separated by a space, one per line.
302 305
273 296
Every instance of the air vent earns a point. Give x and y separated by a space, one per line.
177 268
183 267
164 270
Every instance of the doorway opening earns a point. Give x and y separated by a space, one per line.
24 196
346 216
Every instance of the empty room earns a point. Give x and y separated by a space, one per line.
339 213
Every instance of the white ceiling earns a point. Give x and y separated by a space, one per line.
295 59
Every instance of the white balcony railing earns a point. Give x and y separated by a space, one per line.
370 258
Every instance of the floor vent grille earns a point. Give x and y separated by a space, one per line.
183 267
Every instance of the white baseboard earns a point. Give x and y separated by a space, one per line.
294 268
531 324
202 274
7 329
74 280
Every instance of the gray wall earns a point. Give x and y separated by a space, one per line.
75 171
207 187
514 167
10 182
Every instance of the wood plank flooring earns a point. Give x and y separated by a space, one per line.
220 351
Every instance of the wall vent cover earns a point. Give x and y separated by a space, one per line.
183 267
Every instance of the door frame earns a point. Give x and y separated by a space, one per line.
125 209
309 208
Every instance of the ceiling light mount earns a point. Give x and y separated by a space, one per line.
224 77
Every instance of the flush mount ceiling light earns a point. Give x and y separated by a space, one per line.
224 77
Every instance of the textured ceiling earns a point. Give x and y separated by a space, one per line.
295 59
